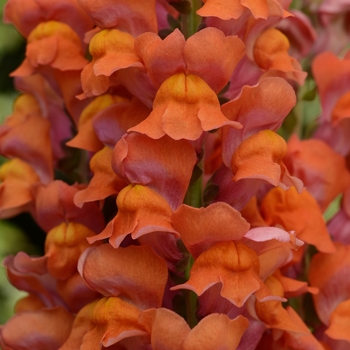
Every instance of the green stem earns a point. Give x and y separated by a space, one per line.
190 21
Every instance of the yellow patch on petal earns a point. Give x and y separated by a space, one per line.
113 49
64 245
260 157
86 137
114 320
183 108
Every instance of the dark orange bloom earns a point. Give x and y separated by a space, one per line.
339 322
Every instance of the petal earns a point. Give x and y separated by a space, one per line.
212 56
322 170
339 321
299 213
114 320
133 273
259 157
41 329
17 179
216 331
19 133
166 328
234 265
202 228
146 161
271 53
140 211
104 182
259 107
133 16
162 58
27 15
183 108
54 205
63 246
329 272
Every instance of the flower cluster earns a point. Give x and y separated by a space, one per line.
147 143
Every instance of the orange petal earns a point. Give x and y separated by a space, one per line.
140 211
41 329
168 175
299 213
215 69
167 329
271 53
63 246
134 273
234 265
322 170
114 320
183 108
202 228
104 183
216 331
19 137
134 17
86 137
329 273
260 157
272 313
17 179
339 322
65 53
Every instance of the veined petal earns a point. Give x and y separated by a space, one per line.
133 273
183 108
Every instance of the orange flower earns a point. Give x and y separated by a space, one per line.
271 53
65 53
260 156
299 213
